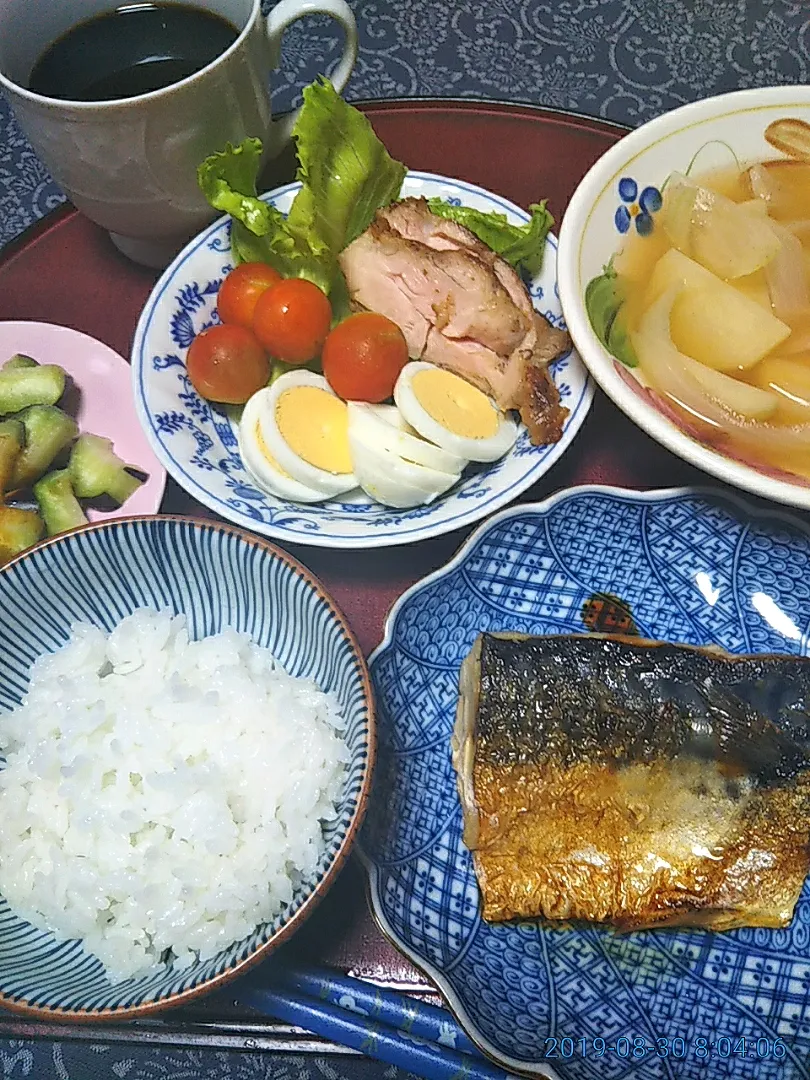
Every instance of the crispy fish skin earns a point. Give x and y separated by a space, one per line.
634 783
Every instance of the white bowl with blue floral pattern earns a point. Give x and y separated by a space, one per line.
218 577
621 195
197 444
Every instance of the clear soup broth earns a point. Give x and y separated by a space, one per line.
712 309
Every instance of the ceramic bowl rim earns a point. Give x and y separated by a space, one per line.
324 884
597 360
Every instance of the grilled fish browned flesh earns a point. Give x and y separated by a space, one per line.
634 783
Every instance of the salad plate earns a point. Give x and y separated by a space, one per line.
100 399
693 566
197 441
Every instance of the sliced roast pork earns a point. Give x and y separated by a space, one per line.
460 306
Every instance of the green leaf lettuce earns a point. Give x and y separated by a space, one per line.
521 245
346 175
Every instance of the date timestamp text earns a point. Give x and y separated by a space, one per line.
640 1047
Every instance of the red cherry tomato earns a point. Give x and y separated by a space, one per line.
227 364
363 356
238 293
292 320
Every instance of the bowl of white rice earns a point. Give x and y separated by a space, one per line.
186 744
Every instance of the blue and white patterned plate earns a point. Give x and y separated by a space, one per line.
197 443
218 577
695 567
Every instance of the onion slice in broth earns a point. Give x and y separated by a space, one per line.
667 369
670 373
786 276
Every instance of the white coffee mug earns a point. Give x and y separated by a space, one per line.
131 164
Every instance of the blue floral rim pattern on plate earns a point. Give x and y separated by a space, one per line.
694 566
198 446
218 577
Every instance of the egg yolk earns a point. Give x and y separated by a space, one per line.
315 425
455 404
264 450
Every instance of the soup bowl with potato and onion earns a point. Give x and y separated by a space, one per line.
684 277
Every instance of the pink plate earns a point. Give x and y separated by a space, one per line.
103 405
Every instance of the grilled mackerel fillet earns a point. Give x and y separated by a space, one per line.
634 783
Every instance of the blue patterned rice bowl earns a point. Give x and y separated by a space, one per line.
218 577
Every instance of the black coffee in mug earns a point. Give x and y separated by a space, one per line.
132 50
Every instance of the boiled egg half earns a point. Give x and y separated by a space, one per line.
452 413
392 463
294 438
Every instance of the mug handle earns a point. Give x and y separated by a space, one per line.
283 15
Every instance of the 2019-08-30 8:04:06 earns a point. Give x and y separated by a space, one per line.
639 1046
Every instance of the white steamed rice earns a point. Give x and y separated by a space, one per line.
161 794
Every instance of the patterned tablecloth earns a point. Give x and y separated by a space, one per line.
624 60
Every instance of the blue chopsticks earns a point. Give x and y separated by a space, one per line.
382 1024
407 1015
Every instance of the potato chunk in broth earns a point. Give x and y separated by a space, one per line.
714 309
